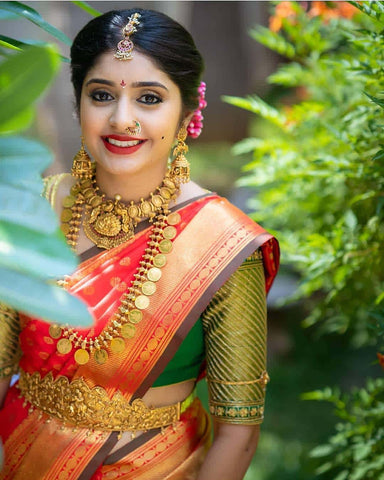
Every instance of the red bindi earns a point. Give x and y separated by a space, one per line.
123 84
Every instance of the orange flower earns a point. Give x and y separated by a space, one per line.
336 10
282 10
302 93
346 10
381 359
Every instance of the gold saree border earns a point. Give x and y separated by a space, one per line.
35 435
200 253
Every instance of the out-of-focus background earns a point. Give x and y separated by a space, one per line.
300 359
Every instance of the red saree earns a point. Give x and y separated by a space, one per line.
213 238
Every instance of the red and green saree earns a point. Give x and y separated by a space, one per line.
213 239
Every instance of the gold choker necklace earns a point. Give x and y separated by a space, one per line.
108 223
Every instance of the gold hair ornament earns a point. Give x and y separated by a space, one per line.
125 46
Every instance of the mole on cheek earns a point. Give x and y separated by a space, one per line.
162 137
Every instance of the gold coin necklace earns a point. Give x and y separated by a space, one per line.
137 298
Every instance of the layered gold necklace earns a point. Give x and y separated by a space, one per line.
100 215
108 223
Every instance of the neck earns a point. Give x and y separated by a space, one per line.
130 186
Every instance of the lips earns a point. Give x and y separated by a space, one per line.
122 145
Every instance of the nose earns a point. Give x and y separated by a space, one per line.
121 115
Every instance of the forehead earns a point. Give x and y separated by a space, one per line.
140 68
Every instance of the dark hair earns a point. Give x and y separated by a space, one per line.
165 41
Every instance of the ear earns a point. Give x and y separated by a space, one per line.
187 117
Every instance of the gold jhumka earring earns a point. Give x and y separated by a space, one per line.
82 165
180 166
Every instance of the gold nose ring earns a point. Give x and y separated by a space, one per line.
134 130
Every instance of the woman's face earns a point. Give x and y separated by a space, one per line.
117 93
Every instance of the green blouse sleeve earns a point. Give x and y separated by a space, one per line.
235 336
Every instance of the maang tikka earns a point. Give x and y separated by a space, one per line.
82 165
180 166
125 46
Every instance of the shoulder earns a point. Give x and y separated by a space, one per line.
189 191
56 187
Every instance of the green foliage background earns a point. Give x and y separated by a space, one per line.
318 171
33 252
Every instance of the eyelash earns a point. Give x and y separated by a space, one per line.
100 97
152 96
97 96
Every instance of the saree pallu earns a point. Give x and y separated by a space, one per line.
213 238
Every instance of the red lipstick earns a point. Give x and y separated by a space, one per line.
122 150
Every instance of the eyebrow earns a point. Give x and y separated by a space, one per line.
133 85
100 80
149 84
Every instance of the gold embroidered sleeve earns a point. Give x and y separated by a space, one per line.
51 185
235 336
10 351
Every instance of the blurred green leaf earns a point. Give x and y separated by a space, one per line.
17 123
22 161
18 45
32 15
273 41
376 100
32 248
321 451
50 302
9 45
85 6
34 253
30 71
24 208
256 105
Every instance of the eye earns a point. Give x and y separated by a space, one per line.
101 96
149 99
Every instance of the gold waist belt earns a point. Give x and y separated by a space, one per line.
77 404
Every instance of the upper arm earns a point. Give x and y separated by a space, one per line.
4 385
10 351
56 187
235 332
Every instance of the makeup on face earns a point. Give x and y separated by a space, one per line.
130 111
122 144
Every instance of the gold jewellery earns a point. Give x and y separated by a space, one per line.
125 46
180 169
133 301
104 218
108 223
136 130
77 405
82 165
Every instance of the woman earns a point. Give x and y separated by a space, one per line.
173 275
